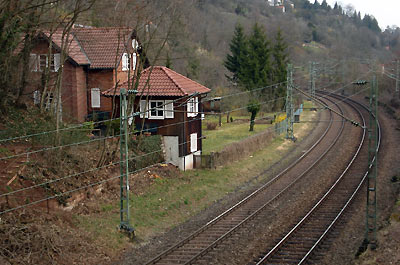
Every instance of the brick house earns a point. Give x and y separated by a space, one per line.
170 105
97 59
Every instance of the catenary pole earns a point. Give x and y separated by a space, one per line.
371 207
124 166
289 103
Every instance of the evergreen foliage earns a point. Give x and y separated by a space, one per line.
238 48
255 63
280 55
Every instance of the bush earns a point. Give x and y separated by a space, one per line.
147 150
211 125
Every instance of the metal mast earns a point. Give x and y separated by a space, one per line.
371 210
124 166
289 103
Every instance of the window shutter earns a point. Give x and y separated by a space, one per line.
134 61
143 108
193 142
169 109
57 59
33 62
125 59
95 97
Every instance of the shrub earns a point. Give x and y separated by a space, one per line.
211 125
147 151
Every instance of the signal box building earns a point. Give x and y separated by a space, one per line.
170 105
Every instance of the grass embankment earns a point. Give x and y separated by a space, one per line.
229 133
171 201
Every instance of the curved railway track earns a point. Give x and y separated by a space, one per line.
194 249
303 242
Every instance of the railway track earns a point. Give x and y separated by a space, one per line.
304 242
195 248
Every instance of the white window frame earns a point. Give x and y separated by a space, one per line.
192 107
193 142
125 61
156 109
95 98
169 109
54 62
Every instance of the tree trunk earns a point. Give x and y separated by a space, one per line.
253 116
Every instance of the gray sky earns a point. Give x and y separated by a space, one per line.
383 10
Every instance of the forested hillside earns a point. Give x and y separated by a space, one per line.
316 31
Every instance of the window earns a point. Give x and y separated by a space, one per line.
156 109
95 97
126 62
39 62
192 107
43 62
193 142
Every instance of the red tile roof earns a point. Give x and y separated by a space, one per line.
162 81
99 47
103 46
74 50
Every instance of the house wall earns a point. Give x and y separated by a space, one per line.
181 125
103 79
122 76
73 94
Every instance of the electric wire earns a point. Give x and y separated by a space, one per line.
114 136
103 167
89 185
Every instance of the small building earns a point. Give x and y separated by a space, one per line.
170 105
96 59
212 105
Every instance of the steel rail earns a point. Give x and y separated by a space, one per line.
258 211
318 204
242 202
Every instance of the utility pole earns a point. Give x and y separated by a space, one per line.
371 209
312 79
289 103
343 74
124 166
397 77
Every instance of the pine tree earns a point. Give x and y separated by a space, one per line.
256 71
280 55
238 49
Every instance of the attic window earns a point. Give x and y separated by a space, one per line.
126 62
39 62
